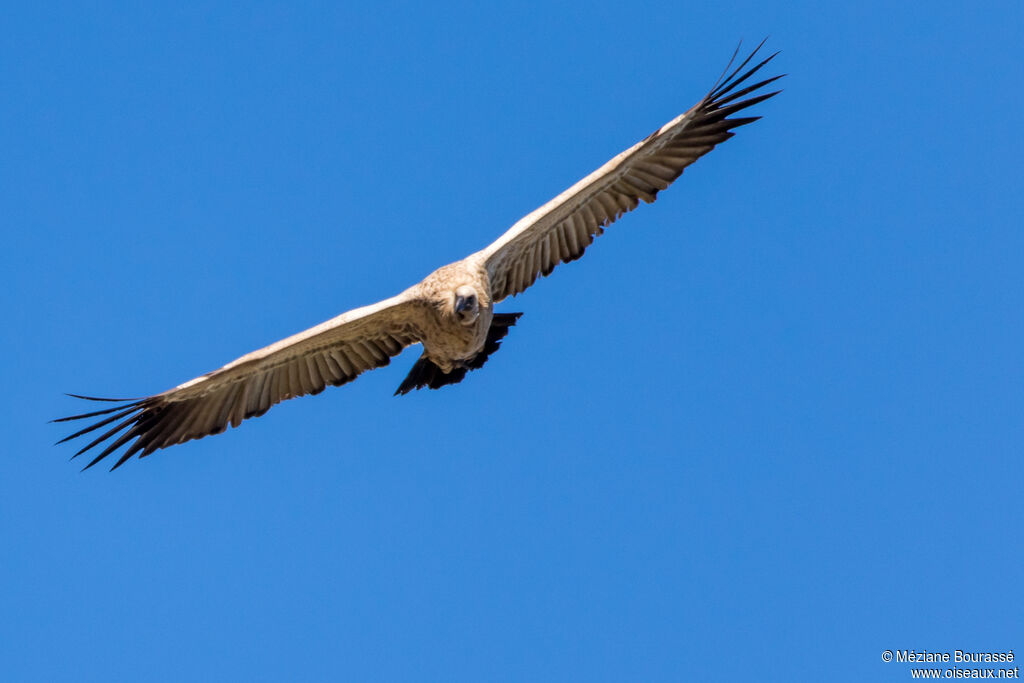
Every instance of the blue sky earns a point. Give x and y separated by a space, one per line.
767 428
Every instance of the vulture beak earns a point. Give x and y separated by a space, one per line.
462 304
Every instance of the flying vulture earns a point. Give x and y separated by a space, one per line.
451 312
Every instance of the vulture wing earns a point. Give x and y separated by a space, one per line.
334 352
562 229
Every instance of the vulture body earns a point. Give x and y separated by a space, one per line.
451 312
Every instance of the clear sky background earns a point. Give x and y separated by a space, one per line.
767 428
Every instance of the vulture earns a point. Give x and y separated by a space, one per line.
451 312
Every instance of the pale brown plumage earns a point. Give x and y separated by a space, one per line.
450 312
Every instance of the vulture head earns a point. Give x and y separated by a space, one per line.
466 305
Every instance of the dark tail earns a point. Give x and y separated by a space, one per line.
425 374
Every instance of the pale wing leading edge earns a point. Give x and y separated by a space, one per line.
559 231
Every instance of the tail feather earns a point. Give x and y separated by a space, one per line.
425 373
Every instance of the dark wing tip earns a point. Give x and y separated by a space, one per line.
94 413
723 79
726 84
724 100
131 414
735 53
98 398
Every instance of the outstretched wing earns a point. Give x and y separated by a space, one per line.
334 352
560 230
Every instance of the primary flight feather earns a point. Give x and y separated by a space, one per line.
451 312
